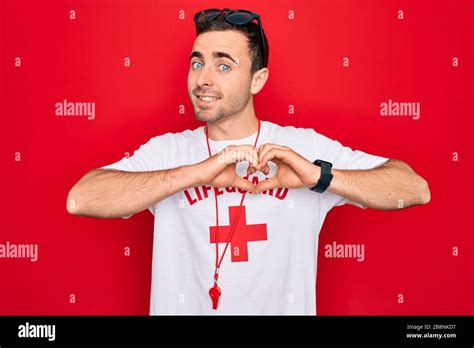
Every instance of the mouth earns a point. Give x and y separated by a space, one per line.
206 99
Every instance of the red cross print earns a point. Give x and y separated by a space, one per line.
243 234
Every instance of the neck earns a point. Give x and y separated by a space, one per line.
237 126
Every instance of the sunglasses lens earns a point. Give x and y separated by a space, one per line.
207 15
239 18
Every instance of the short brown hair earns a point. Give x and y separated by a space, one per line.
251 32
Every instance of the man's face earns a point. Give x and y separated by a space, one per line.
212 74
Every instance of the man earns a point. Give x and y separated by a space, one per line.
239 185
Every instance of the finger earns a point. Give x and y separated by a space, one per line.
262 149
247 153
252 159
270 146
266 185
250 170
254 163
234 154
266 170
273 154
265 149
243 184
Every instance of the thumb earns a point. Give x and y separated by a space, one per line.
266 184
243 184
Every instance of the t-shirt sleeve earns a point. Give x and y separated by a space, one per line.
343 157
148 157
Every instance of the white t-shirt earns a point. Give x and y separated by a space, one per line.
270 265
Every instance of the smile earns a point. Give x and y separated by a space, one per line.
207 98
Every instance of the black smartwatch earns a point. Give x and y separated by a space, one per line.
325 178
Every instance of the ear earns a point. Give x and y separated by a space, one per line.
258 80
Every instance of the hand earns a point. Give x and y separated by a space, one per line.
220 169
293 170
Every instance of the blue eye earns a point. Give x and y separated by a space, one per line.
195 63
229 69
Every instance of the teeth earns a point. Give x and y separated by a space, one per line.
208 98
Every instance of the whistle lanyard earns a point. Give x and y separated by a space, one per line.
215 291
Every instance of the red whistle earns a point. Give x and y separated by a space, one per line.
215 293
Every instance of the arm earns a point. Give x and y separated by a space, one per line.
391 186
113 193
106 193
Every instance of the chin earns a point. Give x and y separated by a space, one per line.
208 117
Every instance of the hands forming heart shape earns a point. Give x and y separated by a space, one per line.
293 170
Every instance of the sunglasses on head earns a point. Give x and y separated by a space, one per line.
235 17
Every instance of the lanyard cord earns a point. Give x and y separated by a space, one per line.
218 262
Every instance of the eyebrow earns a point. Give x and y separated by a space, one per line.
215 55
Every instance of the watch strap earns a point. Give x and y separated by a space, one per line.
325 178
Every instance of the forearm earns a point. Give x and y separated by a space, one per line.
113 193
394 185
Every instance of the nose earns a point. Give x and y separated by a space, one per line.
204 77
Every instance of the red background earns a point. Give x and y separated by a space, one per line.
407 252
